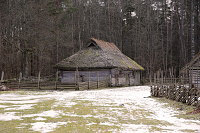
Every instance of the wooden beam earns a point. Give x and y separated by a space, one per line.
110 76
56 87
88 80
2 76
77 78
39 80
97 79
20 78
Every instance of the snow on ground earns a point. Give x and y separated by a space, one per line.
128 108
46 127
8 116
50 113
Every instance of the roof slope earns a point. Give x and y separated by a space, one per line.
99 54
106 46
193 61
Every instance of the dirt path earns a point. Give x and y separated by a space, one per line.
116 110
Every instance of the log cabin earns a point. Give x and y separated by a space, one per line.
100 61
192 71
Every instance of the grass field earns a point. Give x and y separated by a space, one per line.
127 109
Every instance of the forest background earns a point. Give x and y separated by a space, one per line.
36 34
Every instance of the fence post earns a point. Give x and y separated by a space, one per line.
2 76
39 80
110 80
129 80
97 79
162 80
89 80
77 78
20 78
56 87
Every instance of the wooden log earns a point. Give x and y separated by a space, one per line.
165 91
193 100
2 76
97 79
151 90
77 79
154 91
39 80
187 97
159 91
20 78
183 94
177 95
56 80
88 80
152 87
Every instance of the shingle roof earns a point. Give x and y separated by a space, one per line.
102 55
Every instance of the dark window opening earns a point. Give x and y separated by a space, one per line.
91 45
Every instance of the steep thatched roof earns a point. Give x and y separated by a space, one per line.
98 54
190 64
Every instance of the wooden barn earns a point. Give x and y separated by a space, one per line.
192 71
100 61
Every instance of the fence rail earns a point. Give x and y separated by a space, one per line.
93 85
51 82
50 85
47 85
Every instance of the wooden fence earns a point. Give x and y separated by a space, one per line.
178 89
93 85
44 85
55 84
179 93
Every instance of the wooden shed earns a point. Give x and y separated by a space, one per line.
100 61
192 71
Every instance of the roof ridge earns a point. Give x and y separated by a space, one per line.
106 46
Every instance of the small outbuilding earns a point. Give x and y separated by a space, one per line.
100 61
191 71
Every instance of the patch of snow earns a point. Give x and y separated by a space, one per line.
21 102
133 14
50 113
3 106
22 125
40 119
84 116
107 124
89 124
8 116
69 104
46 127
127 128
21 107
18 97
